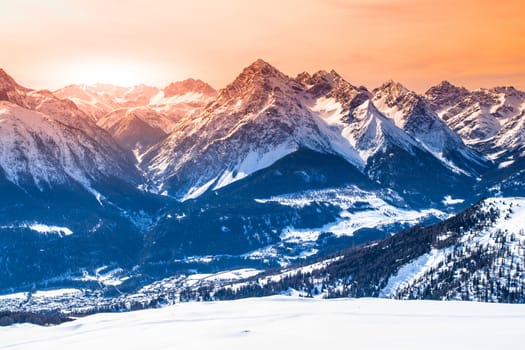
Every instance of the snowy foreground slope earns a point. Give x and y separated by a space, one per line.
287 322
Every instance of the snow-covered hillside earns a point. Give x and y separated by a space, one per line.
500 244
286 322
37 150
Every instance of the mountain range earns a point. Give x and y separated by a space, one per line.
270 171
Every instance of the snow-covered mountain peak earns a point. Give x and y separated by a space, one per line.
6 81
189 85
404 106
390 90
478 116
415 115
258 85
10 90
370 132
259 72
106 97
74 91
323 82
445 85
445 95
445 88
152 110
399 103
508 91
183 95
331 76
263 67
45 101
332 97
366 110
303 78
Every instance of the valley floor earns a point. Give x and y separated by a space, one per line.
286 322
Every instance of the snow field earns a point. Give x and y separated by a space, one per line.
287 322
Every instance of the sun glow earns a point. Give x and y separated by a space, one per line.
114 73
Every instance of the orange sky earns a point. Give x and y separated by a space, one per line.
48 44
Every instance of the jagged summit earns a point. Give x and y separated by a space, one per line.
9 88
193 85
331 76
392 94
323 87
11 91
258 72
509 91
445 92
445 84
391 88
303 77
258 82
478 116
4 75
262 66
415 115
261 117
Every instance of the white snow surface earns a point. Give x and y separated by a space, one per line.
505 164
221 276
254 161
54 293
196 191
448 200
376 213
287 323
104 277
41 228
414 270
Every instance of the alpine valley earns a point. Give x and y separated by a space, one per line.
116 198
